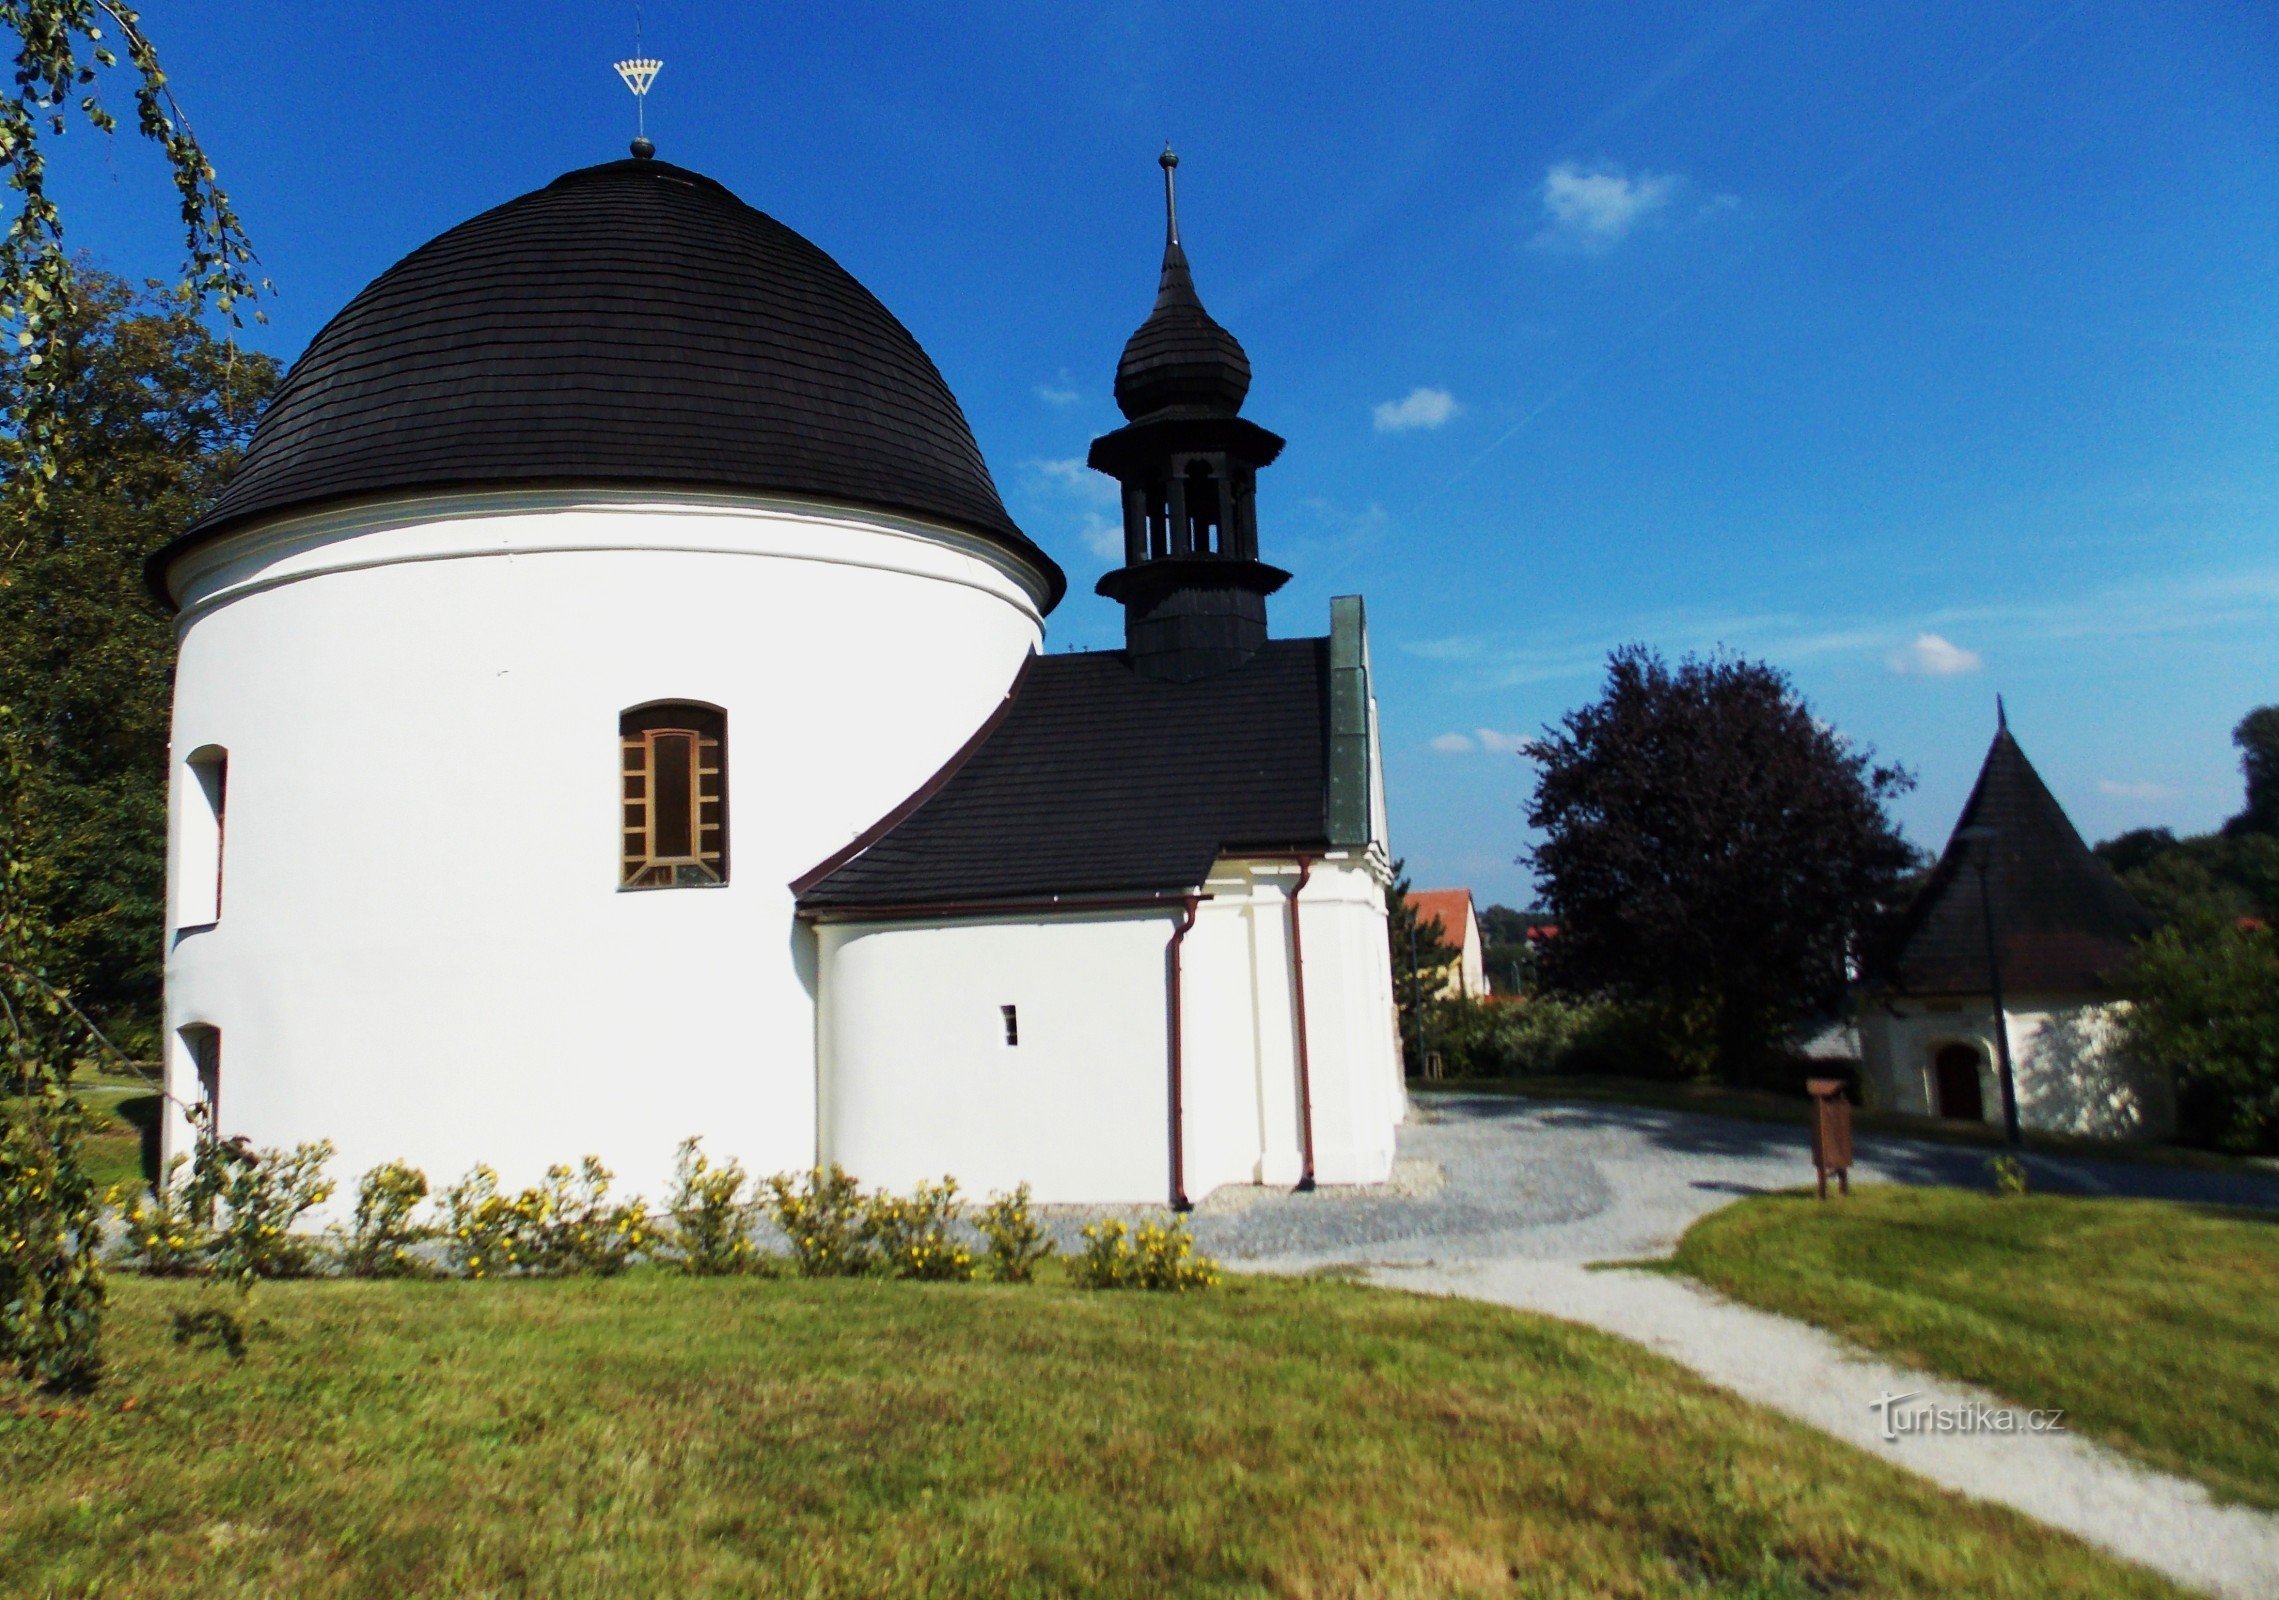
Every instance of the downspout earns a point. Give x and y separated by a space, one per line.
1179 1201
1298 983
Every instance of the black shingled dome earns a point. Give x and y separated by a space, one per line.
629 324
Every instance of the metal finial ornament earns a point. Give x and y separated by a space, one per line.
638 74
1169 162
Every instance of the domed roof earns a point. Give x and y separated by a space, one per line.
1179 358
629 324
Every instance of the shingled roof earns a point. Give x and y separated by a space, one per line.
633 323
1094 781
2064 922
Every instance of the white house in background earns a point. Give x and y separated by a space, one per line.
2062 926
1467 974
611 707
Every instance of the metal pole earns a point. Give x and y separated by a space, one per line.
2001 1019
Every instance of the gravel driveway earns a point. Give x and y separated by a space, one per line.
1495 1177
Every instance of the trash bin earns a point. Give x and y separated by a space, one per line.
1831 1133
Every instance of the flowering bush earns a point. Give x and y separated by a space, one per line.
51 1286
913 1238
383 1236
166 1230
1016 1240
712 1219
564 1225
1158 1256
260 1195
576 1230
822 1213
483 1230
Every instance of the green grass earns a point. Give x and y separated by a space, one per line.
654 1435
2155 1325
114 1152
1764 1105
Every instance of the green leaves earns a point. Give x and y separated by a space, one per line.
35 269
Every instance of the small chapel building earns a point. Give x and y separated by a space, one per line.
612 707
2014 876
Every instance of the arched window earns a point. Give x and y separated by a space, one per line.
675 792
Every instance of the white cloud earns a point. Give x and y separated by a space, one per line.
1068 480
1930 656
1503 744
1423 408
1452 744
1595 208
1070 473
2137 791
1062 394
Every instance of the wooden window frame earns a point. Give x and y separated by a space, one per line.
645 737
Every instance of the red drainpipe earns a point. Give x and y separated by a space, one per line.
1179 1201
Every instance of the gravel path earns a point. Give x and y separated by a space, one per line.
1506 1200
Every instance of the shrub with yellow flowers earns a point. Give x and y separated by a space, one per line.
1157 1255
821 1213
1016 1240
915 1237
383 1236
712 1217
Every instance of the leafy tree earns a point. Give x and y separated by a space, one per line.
1712 852
2205 1008
51 1283
152 411
62 53
2258 739
1419 952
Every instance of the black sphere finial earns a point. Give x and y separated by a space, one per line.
1169 158
643 149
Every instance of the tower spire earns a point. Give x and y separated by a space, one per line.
639 72
1169 162
1192 587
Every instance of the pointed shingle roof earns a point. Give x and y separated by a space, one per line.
2063 921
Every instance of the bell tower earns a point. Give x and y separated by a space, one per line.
1192 587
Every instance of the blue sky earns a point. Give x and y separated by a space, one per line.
1925 352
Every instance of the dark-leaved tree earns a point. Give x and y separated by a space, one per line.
1419 953
2258 739
1712 852
150 412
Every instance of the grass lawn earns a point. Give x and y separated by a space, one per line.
123 1110
2155 1325
656 1435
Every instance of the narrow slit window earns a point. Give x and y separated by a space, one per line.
204 1044
1012 1016
198 863
673 787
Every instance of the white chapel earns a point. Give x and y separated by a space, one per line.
612 706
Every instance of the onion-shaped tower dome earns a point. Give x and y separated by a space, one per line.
630 324
1180 360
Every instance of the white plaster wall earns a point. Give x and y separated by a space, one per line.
2071 1073
1359 1098
918 1082
423 951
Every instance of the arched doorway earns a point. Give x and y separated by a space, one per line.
1954 1073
